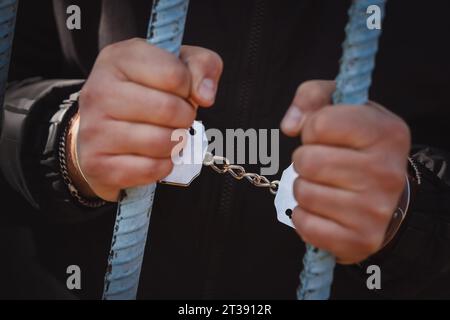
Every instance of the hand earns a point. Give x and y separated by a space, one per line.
352 168
136 95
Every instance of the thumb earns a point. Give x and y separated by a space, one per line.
206 68
310 97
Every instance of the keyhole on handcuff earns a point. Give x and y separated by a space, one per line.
191 132
288 212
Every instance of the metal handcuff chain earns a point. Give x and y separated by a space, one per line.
222 165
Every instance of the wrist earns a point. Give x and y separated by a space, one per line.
399 214
412 182
70 171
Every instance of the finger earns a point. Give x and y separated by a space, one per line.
132 138
327 235
135 103
135 61
125 171
310 97
332 166
346 126
337 205
206 68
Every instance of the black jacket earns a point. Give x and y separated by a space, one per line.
220 238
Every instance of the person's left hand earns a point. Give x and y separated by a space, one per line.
352 171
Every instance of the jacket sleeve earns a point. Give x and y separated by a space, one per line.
37 86
416 264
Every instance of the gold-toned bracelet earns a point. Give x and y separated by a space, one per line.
75 128
62 149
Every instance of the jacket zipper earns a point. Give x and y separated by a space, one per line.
224 212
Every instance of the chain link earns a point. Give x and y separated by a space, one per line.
222 165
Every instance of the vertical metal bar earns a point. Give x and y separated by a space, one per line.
8 10
353 82
165 31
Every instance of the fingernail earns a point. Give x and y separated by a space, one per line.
292 120
207 89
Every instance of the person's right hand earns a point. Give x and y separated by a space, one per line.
136 95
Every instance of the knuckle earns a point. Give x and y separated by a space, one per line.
160 169
219 62
377 168
188 118
166 108
176 111
400 133
134 42
114 54
379 211
370 242
304 194
206 58
148 142
154 142
389 175
311 92
111 51
90 95
163 138
320 125
95 98
212 58
166 167
107 51
149 170
160 141
306 162
177 76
